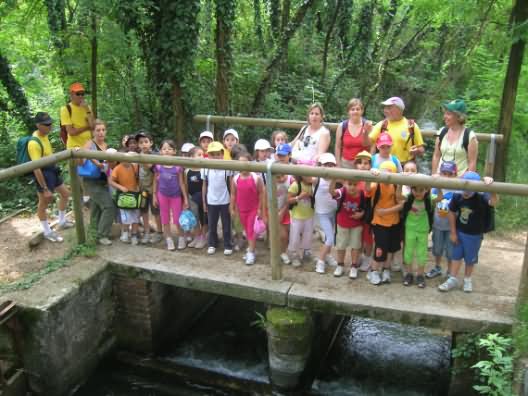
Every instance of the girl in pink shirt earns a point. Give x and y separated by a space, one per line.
247 197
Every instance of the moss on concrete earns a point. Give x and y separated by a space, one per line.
285 321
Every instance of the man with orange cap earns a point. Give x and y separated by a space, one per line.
77 117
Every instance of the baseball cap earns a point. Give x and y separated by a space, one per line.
262 144
388 165
470 175
214 147
231 131
457 105
394 101
207 134
283 149
111 150
384 140
187 147
327 158
448 167
43 118
363 154
77 87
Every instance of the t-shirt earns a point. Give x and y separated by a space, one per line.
416 220
77 120
377 160
455 152
306 148
441 219
126 175
146 178
470 213
350 205
194 181
217 182
387 200
399 132
168 180
34 150
303 209
324 203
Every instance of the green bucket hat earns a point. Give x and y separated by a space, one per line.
457 105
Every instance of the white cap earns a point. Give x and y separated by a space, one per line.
395 101
111 150
231 131
187 147
262 144
206 134
327 158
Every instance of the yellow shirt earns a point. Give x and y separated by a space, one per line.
227 154
78 119
303 210
399 132
34 150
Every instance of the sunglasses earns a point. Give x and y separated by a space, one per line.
79 93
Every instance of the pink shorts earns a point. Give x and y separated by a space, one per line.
247 219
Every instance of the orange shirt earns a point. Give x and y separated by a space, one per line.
387 200
127 176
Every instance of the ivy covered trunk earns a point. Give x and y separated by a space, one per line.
225 16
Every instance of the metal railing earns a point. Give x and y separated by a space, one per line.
270 168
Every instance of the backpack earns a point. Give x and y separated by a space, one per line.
22 153
410 126
465 139
489 215
227 180
63 131
428 208
370 204
344 128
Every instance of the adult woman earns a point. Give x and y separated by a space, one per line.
455 142
313 139
102 210
352 135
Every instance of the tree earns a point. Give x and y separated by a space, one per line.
225 17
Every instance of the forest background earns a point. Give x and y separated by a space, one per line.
153 64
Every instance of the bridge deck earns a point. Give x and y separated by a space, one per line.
489 308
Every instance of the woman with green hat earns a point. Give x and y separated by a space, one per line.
455 142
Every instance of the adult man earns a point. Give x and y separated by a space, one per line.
47 179
77 117
406 135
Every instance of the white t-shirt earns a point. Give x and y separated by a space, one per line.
455 152
324 203
217 180
307 147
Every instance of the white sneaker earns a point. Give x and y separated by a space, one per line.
170 244
450 284
145 239
181 243
201 243
338 271
53 237
330 260
374 277
353 273
155 237
250 258
320 267
386 276
228 252
65 225
285 259
124 237
365 263
211 250
134 240
104 241
296 262
192 243
188 239
468 285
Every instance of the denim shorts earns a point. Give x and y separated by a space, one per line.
442 245
467 248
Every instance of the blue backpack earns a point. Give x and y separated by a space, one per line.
22 153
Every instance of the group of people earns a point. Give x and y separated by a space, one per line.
372 221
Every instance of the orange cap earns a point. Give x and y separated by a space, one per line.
76 87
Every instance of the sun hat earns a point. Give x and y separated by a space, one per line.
363 154
456 106
388 165
231 131
214 147
262 144
187 147
327 158
43 118
470 175
207 134
448 167
394 101
384 140
283 149
77 87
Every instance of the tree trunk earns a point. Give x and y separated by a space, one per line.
178 112
225 16
328 36
257 21
94 64
509 92
275 16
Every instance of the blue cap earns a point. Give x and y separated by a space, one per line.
283 149
470 175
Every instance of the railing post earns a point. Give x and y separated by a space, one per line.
77 202
208 125
489 167
273 223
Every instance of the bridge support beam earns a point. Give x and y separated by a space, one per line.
290 335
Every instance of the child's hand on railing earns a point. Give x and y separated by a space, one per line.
375 172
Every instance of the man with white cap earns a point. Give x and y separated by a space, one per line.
405 133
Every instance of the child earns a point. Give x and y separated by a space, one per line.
469 213
125 179
230 139
384 145
385 224
130 143
205 138
349 225
193 178
277 138
301 229
418 211
409 168
263 150
283 183
247 199
283 153
325 208
215 195
362 162
185 149
169 187
146 182
442 245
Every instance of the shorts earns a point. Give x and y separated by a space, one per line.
467 248
348 238
155 211
52 178
367 237
386 240
129 216
415 247
327 224
442 245
286 219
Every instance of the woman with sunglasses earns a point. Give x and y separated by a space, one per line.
77 118
455 142
313 139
